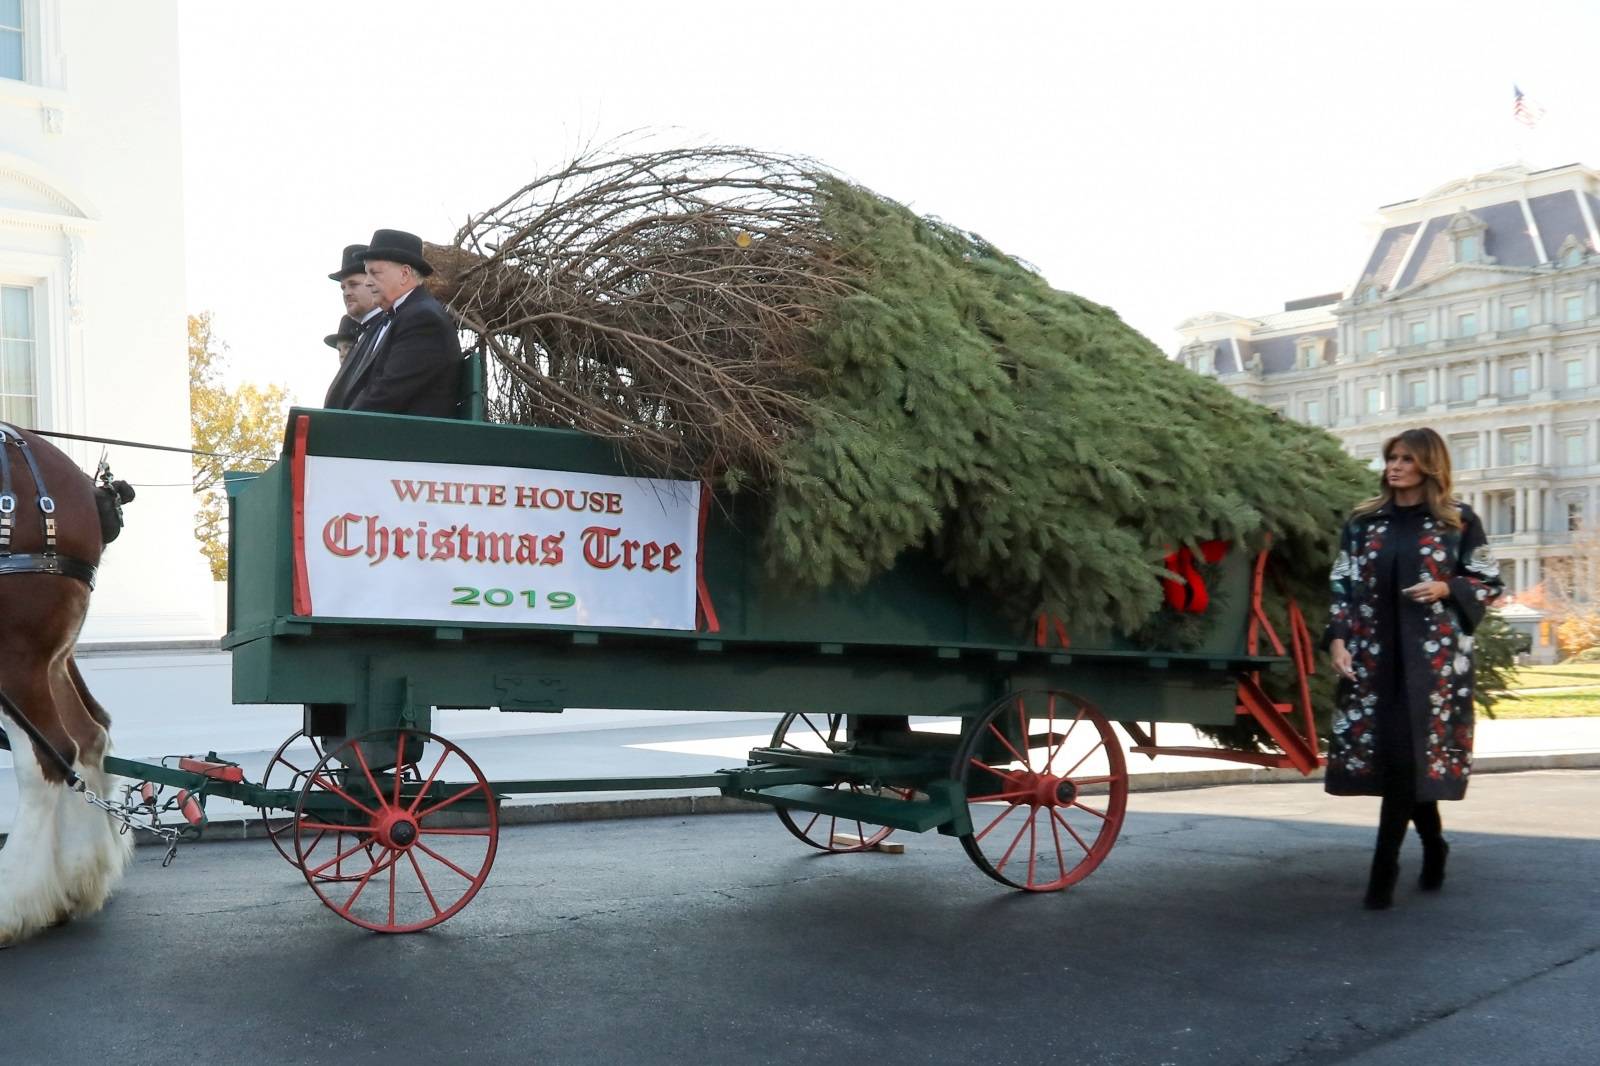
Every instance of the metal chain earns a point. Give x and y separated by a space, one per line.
125 813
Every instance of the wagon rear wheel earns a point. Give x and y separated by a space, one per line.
1047 789
803 731
399 797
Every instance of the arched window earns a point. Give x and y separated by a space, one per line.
42 233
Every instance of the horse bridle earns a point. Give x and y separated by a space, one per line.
48 561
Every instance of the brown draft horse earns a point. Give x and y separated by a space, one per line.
63 856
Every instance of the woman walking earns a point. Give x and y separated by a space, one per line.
1412 580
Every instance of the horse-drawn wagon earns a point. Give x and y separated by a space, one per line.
387 567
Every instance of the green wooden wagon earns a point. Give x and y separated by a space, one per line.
909 704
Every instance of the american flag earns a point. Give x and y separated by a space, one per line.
1524 110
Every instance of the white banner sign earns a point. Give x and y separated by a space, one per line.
442 542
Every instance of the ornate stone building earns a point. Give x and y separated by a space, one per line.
1477 313
92 317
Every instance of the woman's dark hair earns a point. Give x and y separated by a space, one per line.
1433 460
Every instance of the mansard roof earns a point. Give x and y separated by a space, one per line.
1401 258
1269 355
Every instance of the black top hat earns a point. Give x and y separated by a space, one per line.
398 246
349 328
352 263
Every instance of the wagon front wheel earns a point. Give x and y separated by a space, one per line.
417 825
1047 789
288 769
803 731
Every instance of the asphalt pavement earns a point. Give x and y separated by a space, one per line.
1225 927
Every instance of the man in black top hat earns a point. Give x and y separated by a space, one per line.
345 339
361 305
415 358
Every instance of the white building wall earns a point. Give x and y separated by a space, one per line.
91 217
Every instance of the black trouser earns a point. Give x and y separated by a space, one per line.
1400 807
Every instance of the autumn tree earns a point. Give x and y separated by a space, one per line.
1570 593
239 427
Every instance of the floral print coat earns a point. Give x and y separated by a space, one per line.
1433 640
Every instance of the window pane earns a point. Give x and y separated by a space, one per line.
11 55
1519 316
1418 392
1519 380
1419 332
1467 456
16 313
16 368
18 410
1374 401
11 14
1369 340
1467 325
1574 307
1574 369
1467 249
1574 448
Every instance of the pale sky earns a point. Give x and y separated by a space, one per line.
1162 158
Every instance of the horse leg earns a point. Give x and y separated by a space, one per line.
92 852
95 710
32 895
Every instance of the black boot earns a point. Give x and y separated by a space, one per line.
1380 886
1430 830
1434 852
1393 818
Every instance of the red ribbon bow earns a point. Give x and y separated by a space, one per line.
1189 595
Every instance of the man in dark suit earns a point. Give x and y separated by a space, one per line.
414 364
361 307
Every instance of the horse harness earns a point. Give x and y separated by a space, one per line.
48 561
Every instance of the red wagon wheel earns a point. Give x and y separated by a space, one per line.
419 862
826 832
1047 789
282 762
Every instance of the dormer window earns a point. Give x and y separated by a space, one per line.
13 62
1309 353
1467 238
1572 252
1202 358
